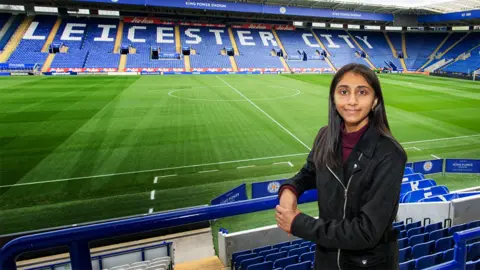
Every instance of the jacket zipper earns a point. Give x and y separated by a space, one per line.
345 201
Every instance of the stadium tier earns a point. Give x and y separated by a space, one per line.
88 43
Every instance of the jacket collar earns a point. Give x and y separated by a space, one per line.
368 141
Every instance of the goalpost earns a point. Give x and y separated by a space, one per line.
476 74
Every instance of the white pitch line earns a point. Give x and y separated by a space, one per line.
208 171
153 170
286 162
435 156
197 165
244 167
150 210
418 149
260 109
170 175
155 179
443 139
152 195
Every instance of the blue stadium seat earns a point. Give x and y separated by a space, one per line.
443 244
268 252
241 258
284 262
413 177
298 251
473 252
297 242
415 185
402 234
300 266
260 249
275 256
473 265
288 248
399 227
403 243
410 265
423 249
246 263
309 256
473 224
428 261
239 253
261 266
413 225
417 195
448 255
457 228
435 235
415 231
404 254
418 239
407 171
280 245
306 244
433 227
313 247
398 223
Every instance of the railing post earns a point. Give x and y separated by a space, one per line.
460 252
80 256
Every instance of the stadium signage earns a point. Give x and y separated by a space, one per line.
255 8
462 165
237 194
476 27
253 26
428 166
202 24
454 16
145 20
264 189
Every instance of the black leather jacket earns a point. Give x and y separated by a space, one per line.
357 205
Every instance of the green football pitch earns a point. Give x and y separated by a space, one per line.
82 149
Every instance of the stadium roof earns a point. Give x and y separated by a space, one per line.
383 6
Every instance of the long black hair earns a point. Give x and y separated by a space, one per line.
325 150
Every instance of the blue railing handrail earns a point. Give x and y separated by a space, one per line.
77 238
460 254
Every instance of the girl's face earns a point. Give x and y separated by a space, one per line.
354 99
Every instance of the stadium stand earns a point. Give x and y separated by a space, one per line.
29 49
256 48
302 50
90 44
341 48
375 44
208 44
419 48
145 36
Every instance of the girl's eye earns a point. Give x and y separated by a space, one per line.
343 92
363 92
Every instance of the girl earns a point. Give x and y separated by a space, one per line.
357 167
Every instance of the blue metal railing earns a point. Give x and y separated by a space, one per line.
77 238
460 254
